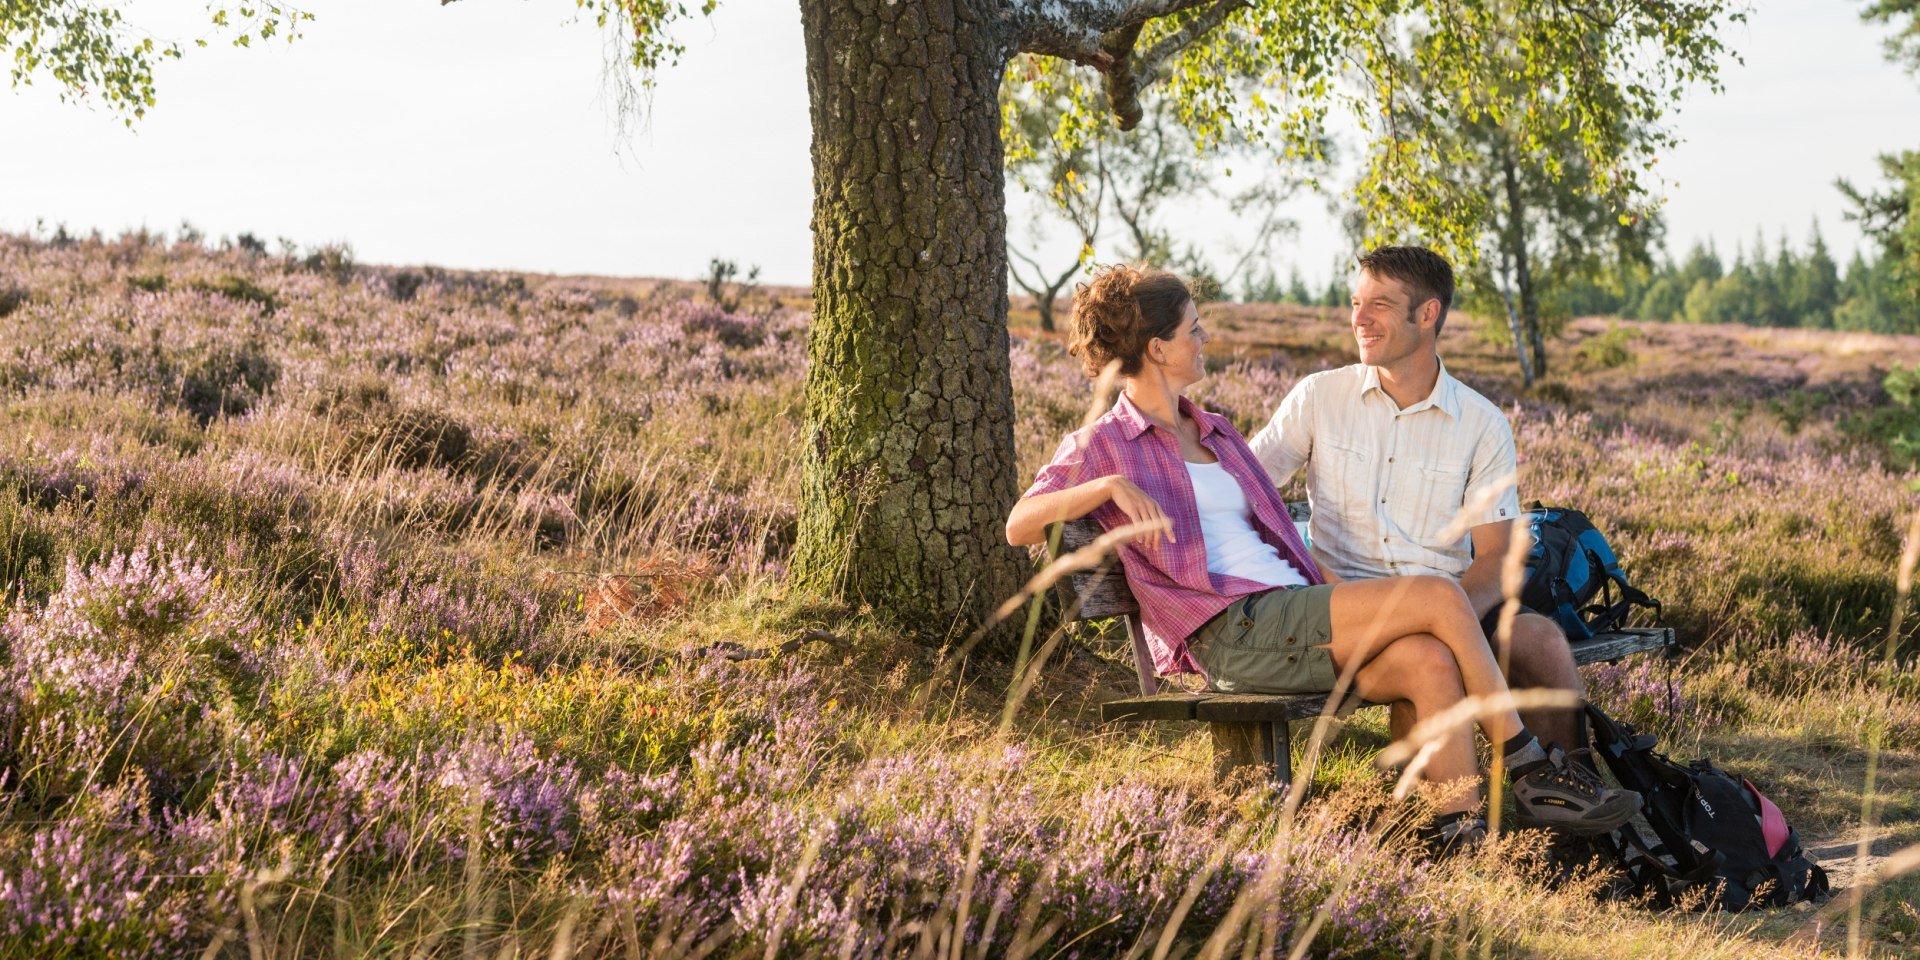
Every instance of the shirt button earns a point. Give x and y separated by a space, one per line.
1389 459
1289 640
1293 658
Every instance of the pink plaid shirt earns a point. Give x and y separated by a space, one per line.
1170 580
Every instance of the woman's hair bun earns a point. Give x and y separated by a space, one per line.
1122 309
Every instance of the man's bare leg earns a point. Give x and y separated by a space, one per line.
1542 658
1419 673
1401 718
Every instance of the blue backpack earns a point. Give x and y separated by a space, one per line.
1573 576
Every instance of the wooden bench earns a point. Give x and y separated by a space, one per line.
1251 730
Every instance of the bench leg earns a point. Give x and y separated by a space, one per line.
1282 736
1266 747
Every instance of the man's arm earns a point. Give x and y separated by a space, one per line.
1492 504
1283 445
1481 580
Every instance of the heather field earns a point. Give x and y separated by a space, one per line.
369 611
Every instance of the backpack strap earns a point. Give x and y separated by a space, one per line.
1611 615
1708 867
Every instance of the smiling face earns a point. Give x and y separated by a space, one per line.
1388 326
1182 357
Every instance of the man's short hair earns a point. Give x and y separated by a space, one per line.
1427 275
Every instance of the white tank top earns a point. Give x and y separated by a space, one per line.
1234 549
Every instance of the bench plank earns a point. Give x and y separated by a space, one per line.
1625 642
1178 705
1267 708
1259 708
1102 591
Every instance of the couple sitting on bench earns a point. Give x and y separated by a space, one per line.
1394 591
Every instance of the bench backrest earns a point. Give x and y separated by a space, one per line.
1102 592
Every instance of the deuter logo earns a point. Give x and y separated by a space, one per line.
1708 807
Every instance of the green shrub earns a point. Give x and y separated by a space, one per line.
334 260
227 380
238 289
1608 350
419 437
1894 426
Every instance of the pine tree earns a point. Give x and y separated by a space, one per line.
1816 286
1297 291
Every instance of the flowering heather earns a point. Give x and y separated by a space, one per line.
307 653
1644 691
132 665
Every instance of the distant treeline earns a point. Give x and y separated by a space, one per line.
1784 288
1766 285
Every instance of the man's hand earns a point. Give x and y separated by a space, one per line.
1326 567
1139 507
1481 579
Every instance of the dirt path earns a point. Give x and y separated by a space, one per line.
1838 853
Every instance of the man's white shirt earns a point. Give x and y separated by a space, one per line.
1386 484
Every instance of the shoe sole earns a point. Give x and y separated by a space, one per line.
1604 818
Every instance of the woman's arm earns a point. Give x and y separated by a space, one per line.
1030 517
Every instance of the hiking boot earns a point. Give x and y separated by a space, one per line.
1559 795
1460 838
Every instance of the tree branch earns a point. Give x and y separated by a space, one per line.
1103 35
1171 45
1076 29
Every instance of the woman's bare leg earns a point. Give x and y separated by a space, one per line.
1420 670
1369 615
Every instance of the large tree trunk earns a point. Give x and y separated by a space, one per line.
910 465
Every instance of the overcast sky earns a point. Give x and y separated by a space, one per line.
475 135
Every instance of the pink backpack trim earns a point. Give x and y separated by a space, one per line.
1773 824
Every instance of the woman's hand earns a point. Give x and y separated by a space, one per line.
1140 508
1028 522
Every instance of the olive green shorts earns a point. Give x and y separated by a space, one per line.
1274 641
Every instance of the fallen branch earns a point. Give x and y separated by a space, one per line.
729 650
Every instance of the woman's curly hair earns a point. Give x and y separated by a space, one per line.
1121 310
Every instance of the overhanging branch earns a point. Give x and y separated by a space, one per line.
1103 35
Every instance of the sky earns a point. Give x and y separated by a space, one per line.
477 135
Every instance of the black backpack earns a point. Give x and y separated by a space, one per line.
1714 832
1573 576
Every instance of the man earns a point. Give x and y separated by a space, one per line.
1412 472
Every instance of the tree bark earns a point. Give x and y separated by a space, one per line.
909 466
1523 273
1513 321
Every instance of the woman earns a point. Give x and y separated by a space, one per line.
1225 585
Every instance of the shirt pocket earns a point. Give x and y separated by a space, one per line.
1341 477
1437 499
